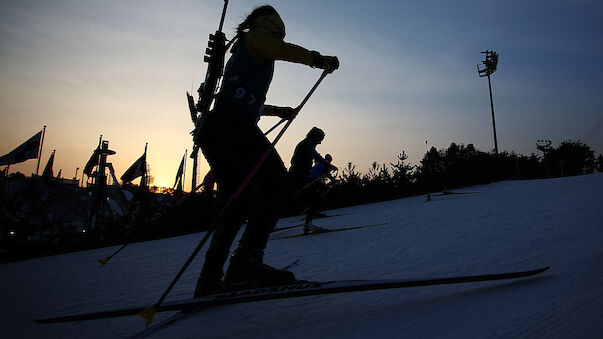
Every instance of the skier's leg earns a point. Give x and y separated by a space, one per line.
314 194
210 279
228 177
264 200
246 268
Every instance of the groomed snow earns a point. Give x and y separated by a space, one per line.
512 225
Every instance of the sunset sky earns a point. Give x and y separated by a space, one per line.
408 75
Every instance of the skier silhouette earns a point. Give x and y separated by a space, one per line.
233 145
308 179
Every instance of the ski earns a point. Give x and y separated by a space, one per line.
185 312
300 289
317 217
165 322
333 215
286 228
443 194
331 230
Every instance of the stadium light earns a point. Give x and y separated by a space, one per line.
489 66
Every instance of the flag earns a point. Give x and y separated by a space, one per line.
27 150
137 169
180 173
92 162
48 169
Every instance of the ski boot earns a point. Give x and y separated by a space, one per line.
208 285
247 271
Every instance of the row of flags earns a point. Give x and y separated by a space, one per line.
31 149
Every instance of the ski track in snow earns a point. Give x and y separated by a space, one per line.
513 225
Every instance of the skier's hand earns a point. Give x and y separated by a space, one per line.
328 63
286 113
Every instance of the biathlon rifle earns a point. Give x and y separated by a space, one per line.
214 57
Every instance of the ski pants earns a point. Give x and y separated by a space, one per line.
233 148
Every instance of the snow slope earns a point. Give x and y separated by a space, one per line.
513 225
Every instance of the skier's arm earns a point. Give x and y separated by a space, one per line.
270 110
263 46
311 149
277 111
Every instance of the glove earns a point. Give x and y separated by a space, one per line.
287 113
328 63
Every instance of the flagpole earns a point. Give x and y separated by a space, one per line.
95 179
184 170
143 182
40 150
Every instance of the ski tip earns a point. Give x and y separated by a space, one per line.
544 268
538 270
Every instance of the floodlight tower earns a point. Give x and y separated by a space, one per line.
490 65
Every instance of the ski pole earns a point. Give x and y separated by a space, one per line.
278 137
274 127
305 211
322 76
296 110
149 313
326 175
103 261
